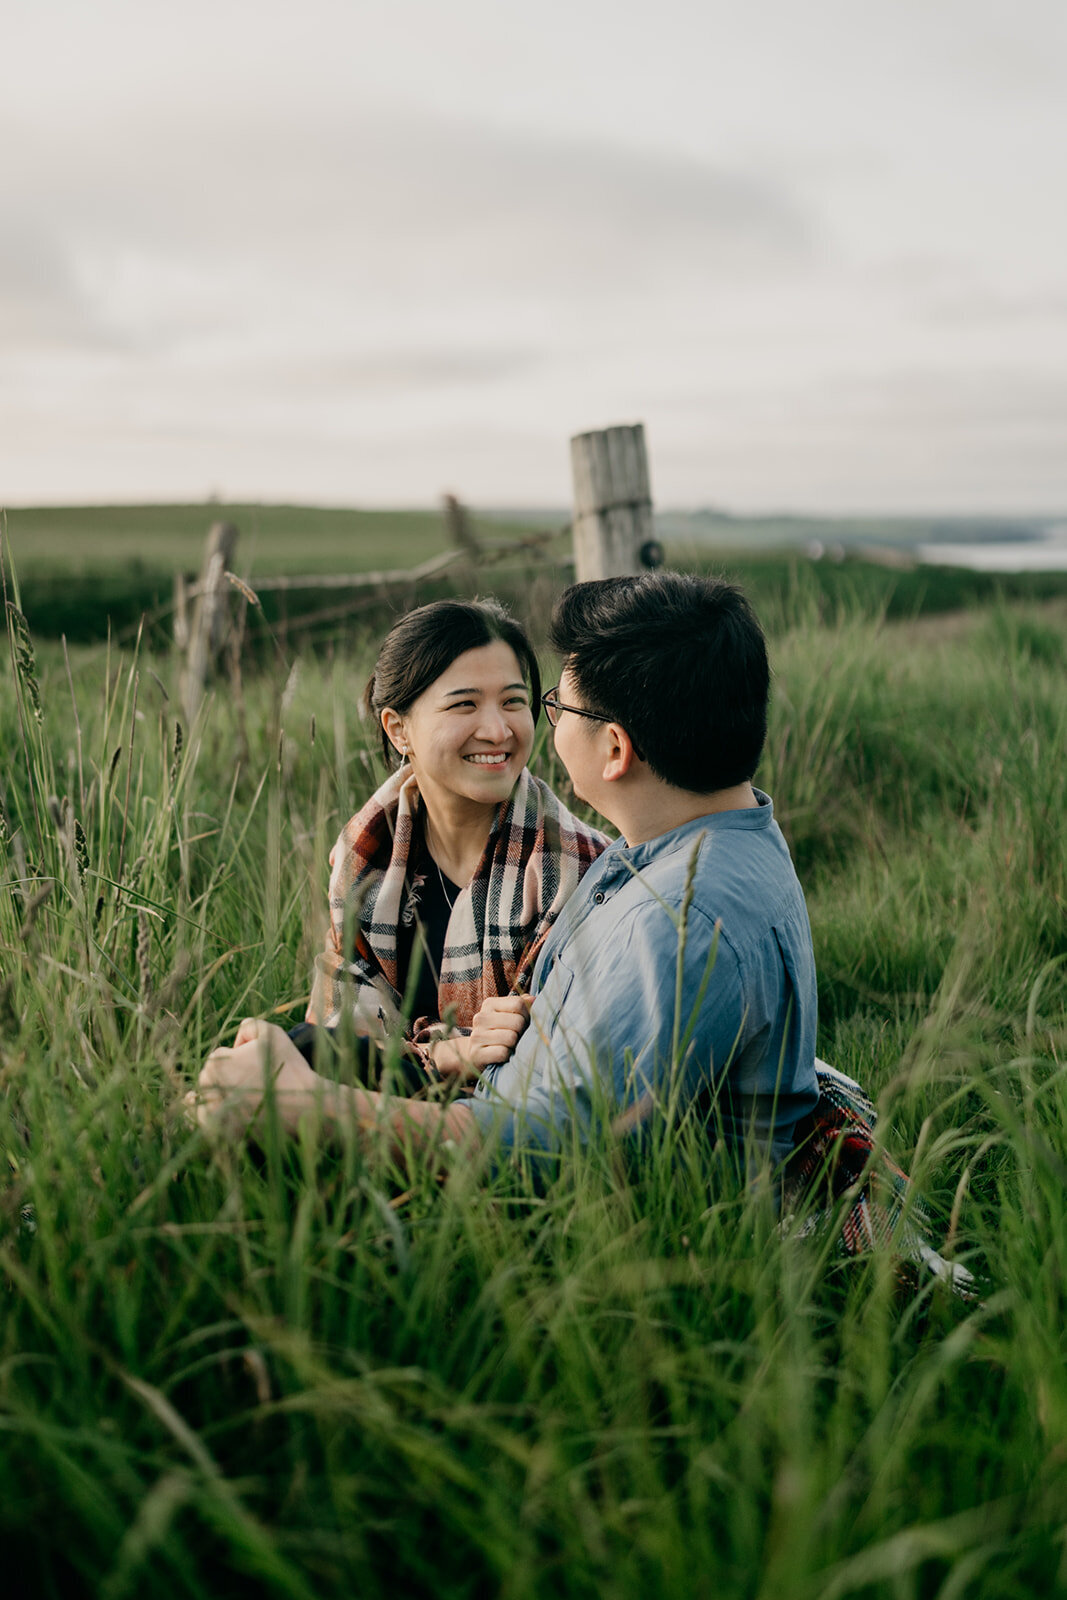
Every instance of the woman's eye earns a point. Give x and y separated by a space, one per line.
519 700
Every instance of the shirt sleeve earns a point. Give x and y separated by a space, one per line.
622 1028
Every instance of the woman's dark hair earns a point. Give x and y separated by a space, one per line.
425 642
680 662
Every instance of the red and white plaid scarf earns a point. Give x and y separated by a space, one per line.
535 857
838 1162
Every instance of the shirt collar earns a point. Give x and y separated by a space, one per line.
759 816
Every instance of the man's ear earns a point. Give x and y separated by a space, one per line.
621 753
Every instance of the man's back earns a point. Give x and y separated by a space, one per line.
693 948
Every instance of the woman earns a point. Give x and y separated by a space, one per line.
447 880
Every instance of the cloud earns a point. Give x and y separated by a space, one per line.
224 261
188 228
41 303
560 209
387 371
974 306
917 439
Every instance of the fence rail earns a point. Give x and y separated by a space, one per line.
610 534
391 577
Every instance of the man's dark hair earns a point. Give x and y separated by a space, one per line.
680 662
425 642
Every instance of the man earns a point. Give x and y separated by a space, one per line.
680 973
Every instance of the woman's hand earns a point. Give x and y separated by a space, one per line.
233 1082
495 1031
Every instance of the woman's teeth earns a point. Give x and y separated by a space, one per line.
487 761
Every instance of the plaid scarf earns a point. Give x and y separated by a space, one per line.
837 1157
534 859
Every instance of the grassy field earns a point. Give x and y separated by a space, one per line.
295 1373
88 572
279 538
275 539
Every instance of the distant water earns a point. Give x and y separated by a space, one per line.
1045 553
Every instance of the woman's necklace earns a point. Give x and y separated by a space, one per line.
450 903
450 900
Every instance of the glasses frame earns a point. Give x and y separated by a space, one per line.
554 705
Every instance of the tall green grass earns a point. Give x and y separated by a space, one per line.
298 1372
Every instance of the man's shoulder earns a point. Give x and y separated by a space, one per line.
752 891
742 846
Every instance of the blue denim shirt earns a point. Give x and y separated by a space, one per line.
629 1016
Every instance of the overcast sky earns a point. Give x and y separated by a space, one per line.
349 252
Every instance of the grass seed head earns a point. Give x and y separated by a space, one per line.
10 1022
249 593
179 736
33 905
25 662
81 848
6 829
144 953
170 988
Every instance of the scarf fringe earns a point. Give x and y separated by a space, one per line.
838 1158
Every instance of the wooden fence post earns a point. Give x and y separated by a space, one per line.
458 526
613 530
207 629
462 537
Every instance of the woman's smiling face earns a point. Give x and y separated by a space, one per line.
469 735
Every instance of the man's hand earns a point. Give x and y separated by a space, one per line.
495 1032
233 1082
498 1027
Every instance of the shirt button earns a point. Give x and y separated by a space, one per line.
598 898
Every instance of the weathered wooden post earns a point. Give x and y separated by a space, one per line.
458 526
207 629
461 536
613 529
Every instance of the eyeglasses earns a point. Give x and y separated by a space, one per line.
553 706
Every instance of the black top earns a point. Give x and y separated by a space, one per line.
422 941
431 897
